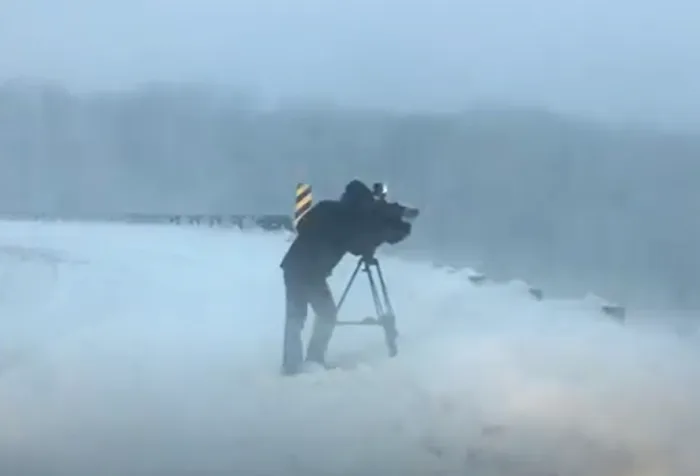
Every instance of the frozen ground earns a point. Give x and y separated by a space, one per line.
138 350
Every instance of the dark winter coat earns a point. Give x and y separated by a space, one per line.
356 224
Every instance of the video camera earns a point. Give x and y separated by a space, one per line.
394 210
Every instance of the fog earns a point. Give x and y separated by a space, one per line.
570 205
633 61
554 142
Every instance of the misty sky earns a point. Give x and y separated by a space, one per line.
617 59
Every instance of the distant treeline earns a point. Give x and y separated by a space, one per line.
518 193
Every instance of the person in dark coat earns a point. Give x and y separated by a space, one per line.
358 223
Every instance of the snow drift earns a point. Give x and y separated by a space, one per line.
155 350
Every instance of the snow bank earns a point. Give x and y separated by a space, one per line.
155 350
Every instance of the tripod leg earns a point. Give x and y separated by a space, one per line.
378 305
385 312
349 285
385 291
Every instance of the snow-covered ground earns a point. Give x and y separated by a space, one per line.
144 350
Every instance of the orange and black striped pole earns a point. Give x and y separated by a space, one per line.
303 202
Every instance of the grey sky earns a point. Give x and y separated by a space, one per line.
618 59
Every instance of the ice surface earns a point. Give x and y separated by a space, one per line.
142 350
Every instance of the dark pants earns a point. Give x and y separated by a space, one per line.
300 293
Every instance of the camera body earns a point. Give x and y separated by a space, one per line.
396 217
386 222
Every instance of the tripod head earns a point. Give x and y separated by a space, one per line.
369 259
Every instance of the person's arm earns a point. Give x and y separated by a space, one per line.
372 227
398 232
388 220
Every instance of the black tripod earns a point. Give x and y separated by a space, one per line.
385 312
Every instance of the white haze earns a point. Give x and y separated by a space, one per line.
140 350
623 60
150 348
